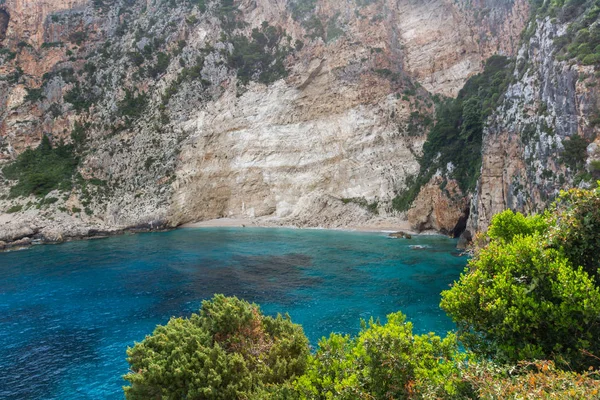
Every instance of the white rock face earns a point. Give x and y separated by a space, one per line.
446 42
262 153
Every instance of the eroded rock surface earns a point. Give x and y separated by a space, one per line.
440 208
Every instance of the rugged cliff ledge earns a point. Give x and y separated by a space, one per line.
310 112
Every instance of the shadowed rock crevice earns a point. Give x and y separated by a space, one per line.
4 20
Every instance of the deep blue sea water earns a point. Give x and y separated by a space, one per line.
68 312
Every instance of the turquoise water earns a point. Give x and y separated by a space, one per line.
68 312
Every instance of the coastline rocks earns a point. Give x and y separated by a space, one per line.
21 242
400 235
68 228
14 233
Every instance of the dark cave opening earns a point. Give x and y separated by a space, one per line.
461 225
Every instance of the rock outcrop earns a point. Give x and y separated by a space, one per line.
440 208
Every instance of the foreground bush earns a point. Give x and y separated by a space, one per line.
523 302
531 292
227 351
231 351
539 380
384 362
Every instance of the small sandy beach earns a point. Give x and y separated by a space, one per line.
385 225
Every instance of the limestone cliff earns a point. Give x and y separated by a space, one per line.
181 111
529 151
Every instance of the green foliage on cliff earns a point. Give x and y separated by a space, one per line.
133 105
80 97
453 146
575 152
302 10
42 170
161 65
582 38
262 56
230 350
532 293
34 95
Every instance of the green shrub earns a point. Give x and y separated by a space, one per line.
14 209
136 58
519 301
34 95
227 351
49 45
575 152
384 362
133 105
7 54
42 170
531 293
79 135
161 66
80 98
201 4
333 30
362 202
457 136
575 228
262 57
78 37
301 9
508 225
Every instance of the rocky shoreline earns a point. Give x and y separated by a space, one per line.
24 236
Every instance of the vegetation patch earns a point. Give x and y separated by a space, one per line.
262 56
531 293
362 202
34 95
133 105
453 146
14 209
575 152
81 99
230 350
42 170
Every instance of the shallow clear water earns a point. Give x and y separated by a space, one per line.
68 312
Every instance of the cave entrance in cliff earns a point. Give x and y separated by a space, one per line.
461 225
4 20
